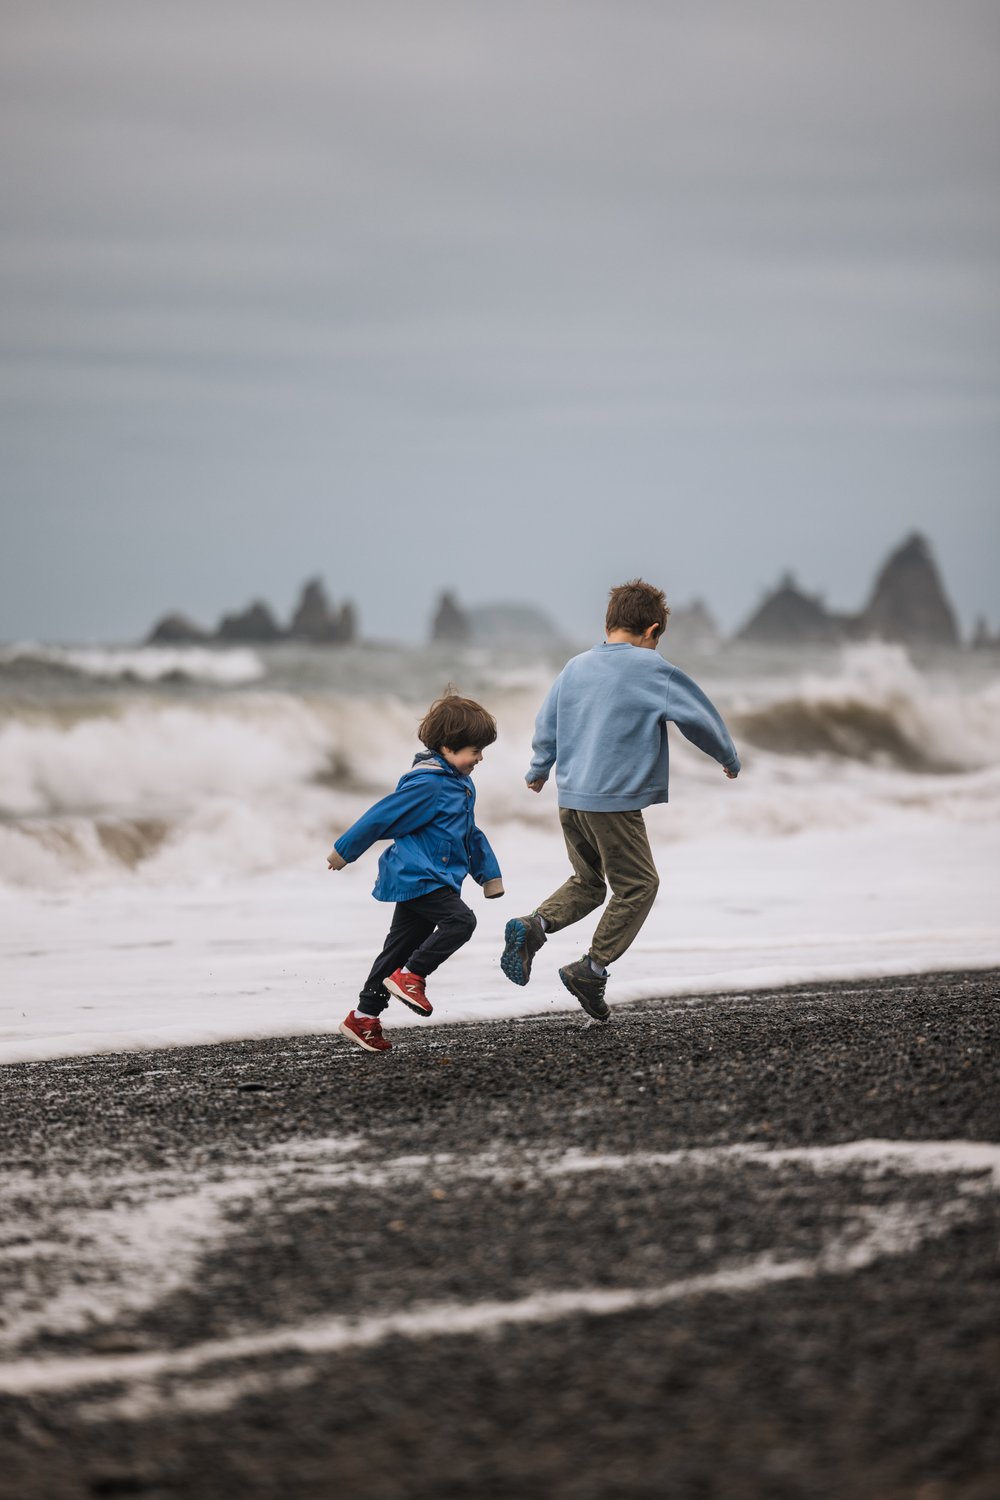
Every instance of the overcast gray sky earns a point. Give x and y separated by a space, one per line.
521 298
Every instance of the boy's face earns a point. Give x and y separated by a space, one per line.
465 760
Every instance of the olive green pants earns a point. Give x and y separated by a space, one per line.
605 849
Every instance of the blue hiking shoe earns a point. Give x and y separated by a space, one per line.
523 936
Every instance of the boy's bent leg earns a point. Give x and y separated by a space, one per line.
453 925
628 863
585 889
409 927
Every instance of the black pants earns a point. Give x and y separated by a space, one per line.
424 932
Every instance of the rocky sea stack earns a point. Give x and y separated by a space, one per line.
314 619
908 604
451 623
504 623
789 615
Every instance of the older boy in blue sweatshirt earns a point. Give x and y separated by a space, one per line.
603 726
431 819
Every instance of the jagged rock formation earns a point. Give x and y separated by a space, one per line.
693 627
174 630
451 623
311 619
315 619
256 623
908 602
790 617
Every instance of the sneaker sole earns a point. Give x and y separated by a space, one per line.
515 936
360 1043
596 1015
400 994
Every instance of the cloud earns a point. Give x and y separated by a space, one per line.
461 227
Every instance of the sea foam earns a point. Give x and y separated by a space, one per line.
231 665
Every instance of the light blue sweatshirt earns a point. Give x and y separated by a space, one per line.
604 723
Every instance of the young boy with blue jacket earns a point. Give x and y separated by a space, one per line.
431 819
603 726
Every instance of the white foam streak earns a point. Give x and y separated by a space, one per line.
224 665
167 1235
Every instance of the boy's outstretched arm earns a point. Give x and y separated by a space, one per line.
543 745
699 721
403 811
483 864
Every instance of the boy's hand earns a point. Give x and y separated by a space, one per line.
731 774
335 861
535 786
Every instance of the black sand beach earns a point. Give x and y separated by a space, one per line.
621 1268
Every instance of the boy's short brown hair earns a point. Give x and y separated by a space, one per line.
636 605
452 723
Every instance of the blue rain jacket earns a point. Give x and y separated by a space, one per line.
431 819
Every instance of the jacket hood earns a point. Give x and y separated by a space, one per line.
430 760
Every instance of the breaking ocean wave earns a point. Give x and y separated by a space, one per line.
229 666
879 709
150 783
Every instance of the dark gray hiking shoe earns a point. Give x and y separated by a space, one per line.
588 987
523 936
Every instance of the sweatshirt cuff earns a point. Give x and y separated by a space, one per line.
733 763
493 888
336 861
536 776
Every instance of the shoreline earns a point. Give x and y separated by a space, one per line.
398 1019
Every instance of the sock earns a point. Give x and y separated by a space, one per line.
598 968
545 925
362 1015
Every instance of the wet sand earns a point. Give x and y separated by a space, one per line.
732 1246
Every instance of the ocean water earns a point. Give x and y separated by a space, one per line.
165 815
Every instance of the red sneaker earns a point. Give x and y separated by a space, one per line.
410 989
367 1032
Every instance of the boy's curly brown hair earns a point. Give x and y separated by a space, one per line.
453 722
636 605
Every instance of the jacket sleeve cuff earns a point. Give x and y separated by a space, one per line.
336 861
493 888
733 764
